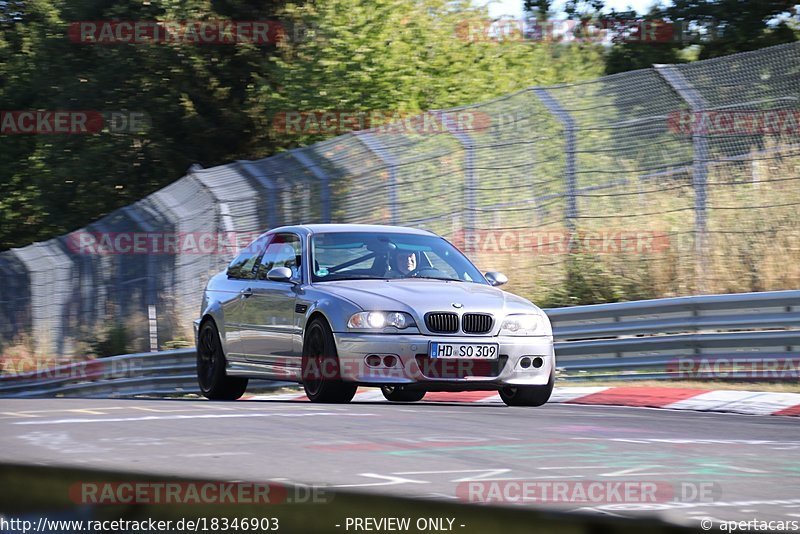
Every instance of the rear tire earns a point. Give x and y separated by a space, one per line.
528 395
402 394
214 382
321 374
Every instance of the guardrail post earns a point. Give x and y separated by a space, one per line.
700 158
324 180
371 143
570 146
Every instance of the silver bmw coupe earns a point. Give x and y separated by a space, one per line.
338 306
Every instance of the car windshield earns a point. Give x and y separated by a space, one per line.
371 255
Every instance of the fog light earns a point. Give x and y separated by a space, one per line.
538 362
525 362
389 361
373 360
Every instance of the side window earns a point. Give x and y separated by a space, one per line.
283 251
243 266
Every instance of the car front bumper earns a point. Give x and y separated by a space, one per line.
413 366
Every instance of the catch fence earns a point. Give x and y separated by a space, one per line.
669 181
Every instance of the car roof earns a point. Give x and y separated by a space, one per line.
331 228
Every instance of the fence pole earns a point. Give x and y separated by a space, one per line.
324 180
570 185
469 175
372 144
700 158
151 289
250 170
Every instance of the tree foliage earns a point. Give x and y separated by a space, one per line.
705 29
212 104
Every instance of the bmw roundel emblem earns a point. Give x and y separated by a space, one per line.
458 305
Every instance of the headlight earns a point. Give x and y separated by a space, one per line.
523 325
378 320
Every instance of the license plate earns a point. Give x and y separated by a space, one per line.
471 351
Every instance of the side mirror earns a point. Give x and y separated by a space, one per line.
280 274
496 279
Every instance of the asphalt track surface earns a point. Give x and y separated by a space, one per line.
748 465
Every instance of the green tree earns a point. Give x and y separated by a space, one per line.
213 104
724 27
407 56
197 99
705 29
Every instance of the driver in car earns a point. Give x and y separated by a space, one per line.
403 262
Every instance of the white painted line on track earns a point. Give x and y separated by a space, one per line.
212 454
179 417
387 481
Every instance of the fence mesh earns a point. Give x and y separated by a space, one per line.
667 181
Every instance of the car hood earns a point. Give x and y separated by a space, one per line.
419 296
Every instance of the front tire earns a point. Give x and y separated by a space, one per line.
214 382
402 394
321 374
528 395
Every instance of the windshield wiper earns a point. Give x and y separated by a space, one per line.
351 277
435 278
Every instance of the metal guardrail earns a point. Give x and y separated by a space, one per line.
700 337
684 337
170 372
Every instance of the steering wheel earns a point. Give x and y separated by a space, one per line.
416 273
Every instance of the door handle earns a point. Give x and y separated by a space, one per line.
246 292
